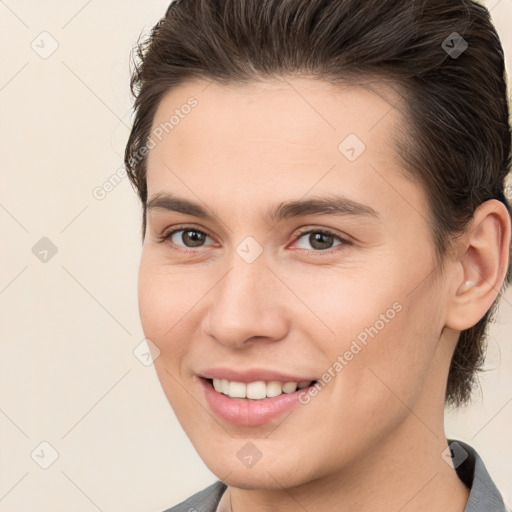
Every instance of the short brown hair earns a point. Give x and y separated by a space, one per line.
458 140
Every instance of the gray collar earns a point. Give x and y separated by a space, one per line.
484 496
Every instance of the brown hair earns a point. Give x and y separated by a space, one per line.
458 140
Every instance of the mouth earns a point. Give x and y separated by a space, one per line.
247 411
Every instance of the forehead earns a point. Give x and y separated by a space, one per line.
308 109
264 140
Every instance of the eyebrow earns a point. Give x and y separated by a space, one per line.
330 204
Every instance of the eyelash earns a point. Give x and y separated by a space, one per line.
297 236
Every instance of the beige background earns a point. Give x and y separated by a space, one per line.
68 326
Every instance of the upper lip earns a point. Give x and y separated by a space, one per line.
251 375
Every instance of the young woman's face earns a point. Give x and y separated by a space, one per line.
248 275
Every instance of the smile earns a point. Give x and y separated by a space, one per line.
257 390
249 411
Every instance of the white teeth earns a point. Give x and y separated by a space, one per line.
274 388
237 389
257 390
289 387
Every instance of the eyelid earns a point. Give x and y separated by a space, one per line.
170 231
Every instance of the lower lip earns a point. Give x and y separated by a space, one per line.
244 411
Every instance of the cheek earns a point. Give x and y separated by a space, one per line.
383 327
162 310
163 305
349 305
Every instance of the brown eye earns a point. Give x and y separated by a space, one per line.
187 237
320 240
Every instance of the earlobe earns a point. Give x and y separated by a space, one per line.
483 265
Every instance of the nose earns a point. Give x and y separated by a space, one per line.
247 306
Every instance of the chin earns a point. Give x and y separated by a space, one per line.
262 479
271 472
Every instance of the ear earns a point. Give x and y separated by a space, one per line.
482 266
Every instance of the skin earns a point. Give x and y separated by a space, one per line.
372 439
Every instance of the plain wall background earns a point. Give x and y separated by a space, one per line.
68 326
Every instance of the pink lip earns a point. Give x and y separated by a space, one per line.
251 375
247 412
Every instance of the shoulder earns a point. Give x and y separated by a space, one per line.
203 501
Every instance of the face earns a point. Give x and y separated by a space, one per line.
285 243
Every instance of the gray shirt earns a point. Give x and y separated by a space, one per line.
483 497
